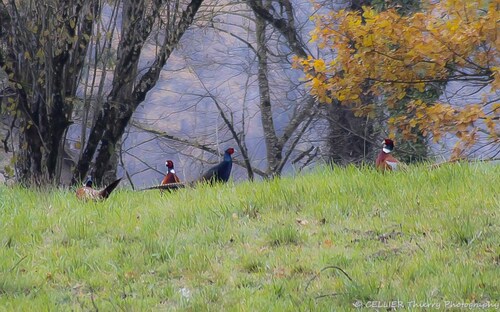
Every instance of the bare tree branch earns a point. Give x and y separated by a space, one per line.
194 144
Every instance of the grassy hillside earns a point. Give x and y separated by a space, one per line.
331 239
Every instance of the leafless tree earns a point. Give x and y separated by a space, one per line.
46 47
258 61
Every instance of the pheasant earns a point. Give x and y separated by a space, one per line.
221 171
385 161
218 173
171 177
171 181
86 192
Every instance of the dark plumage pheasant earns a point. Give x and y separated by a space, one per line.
385 161
86 192
220 172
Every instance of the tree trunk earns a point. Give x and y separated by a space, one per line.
45 56
349 136
29 166
127 93
285 24
273 147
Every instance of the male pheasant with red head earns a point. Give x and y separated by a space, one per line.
171 181
385 161
220 172
170 177
86 192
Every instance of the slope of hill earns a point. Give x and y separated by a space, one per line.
332 238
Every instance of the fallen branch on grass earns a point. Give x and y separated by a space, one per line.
323 269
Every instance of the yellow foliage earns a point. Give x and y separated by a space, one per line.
496 78
319 65
386 54
491 126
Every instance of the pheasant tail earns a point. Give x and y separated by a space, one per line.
106 191
169 186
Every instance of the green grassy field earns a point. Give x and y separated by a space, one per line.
333 239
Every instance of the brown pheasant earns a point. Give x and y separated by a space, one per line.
385 161
86 192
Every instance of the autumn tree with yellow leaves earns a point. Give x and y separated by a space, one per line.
401 57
